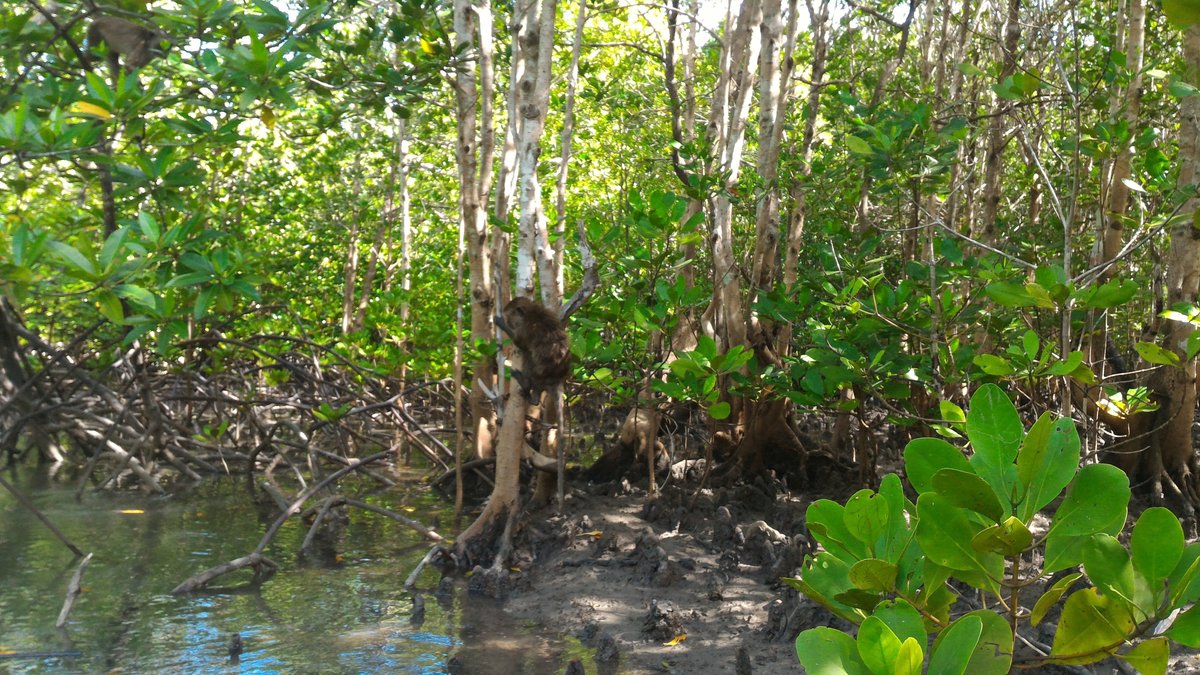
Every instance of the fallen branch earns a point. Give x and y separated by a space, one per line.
73 591
264 568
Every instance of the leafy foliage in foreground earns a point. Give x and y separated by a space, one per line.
886 560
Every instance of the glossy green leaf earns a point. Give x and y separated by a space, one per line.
823 578
1091 628
945 535
910 659
1012 295
953 649
903 620
867 516
1184 581
826 521
995 431
966 490
878 646
1051 597
1157 543
826 651
1108 565
924 457
1098 497
1108 295
1046 462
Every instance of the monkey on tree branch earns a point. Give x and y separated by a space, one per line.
133 43
543 342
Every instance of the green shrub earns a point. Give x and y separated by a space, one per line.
886 561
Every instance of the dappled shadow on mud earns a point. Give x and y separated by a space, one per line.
688 580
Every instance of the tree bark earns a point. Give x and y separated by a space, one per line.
985 229
473 93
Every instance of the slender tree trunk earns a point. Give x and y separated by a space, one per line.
819 29
1173 436
350 268
533 34
553 416
474 84
998 131
1117 204
382 231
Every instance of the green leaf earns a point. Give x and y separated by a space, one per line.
1009 538
1046 462
1098 497
719 410
950 412
73 258
924 457
910 659
1012 295
945 535
110 306
203 301
1156 354
1063 551
1108 295
112 245
822 579
1157 544
149 226
1186 628
189 279
1051 596
137 294
826 520
967 490
867 516
826 651
903 620
858 146
995 431
991 364
874 575
953 648
1184 581
1091 628
1108 565
878 645
1149 657
993 654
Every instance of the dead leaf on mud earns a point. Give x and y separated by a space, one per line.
676 640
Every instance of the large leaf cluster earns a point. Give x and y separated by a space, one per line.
886 559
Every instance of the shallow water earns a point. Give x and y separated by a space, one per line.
345 614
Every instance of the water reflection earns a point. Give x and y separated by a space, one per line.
350 617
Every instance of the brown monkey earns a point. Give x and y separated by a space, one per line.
136 43
540 336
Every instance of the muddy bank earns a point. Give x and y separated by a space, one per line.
685 583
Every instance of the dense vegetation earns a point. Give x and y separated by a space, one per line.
854 213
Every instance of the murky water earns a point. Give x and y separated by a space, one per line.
348 614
